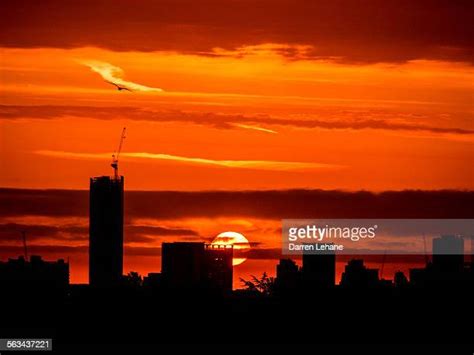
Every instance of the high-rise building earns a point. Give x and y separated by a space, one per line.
191 264
319 270
34 272
106 230
447 265
219 269
400 280
287 275
357 275
448 253
182 264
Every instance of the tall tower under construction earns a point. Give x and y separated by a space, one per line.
105 230
106 227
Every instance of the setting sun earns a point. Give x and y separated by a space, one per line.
238 241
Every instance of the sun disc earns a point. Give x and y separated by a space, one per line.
237 240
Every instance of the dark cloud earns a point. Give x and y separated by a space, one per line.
271 204
72 250
56 203
159 231
11 232
147 234
133 233
357 30
216 120
265 254
15 250
142 251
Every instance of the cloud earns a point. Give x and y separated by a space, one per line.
149 234
255 128
35 249
113 74
353 31
159 231
20 204
228 121
271 204
264 253
68 250
11 232
270 165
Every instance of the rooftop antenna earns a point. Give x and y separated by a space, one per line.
472 251
424 249
383 264
115 156
25 248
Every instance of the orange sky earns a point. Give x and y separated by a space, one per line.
224 102
372 126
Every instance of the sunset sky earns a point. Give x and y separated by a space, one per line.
228 95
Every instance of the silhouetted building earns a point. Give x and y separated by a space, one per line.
447 266
153 280
400 280
218 266
448 253
193 265
182 264
419 277
105 230
356 275
34 273
287 275
319 270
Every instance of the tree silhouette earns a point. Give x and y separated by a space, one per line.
133 279
264 285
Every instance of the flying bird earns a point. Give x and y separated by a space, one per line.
119 87
114 76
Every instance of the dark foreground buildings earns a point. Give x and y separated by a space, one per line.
448 253
319 270
287 276
34 273
357 275
197 265
447 268
105 231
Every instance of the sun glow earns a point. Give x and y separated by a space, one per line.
238 241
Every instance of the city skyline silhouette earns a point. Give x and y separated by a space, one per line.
259 259
165 165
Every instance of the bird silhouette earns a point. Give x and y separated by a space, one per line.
119 87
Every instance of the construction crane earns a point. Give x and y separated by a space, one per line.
115 156
383 264
424 249
23 235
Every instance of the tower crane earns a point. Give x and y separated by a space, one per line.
383 264
424 249
23 235
115 156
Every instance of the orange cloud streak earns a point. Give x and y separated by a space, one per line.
240 164
255 128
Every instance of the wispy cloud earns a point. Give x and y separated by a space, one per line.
343 121
255 128
239 164
114 74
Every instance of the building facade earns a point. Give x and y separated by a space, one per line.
106 230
